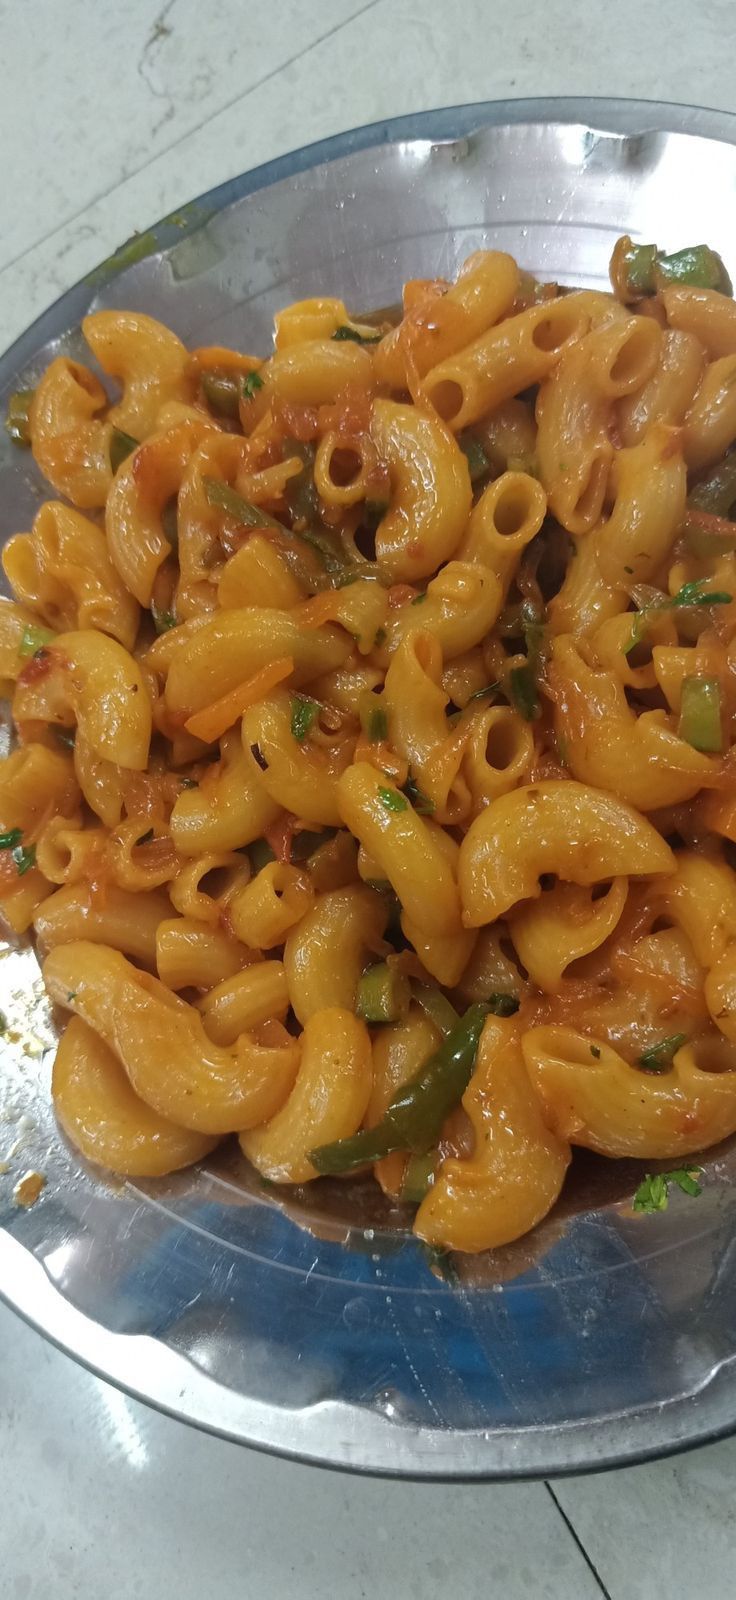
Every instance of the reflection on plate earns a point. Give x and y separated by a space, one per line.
313 1324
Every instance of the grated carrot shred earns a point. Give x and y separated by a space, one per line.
214 720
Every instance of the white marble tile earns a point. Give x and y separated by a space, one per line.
395 56
662 1529
103 1496
93 92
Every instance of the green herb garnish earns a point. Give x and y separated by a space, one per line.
391 799
478 462
9 840
33 639
523 692
420 801
304 714
659 1057
502 1004
523 688
691 594
345 332
653 1193
480 694
373 720
162 620
250 386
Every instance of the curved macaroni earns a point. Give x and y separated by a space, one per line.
584 835
373 733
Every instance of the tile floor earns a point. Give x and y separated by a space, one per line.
111 116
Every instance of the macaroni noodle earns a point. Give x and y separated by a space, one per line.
372 790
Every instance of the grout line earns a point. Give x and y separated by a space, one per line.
103 194
581 1547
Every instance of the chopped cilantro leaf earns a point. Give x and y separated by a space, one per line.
659 1057
653 1193
345 332
391 799
420 801
250 385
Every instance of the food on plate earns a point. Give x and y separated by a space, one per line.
373 794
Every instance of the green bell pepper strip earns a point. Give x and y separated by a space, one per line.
222 393
700 714
415 1116
436 1006
18 418
697 265
382 994
642 269
716 492
707 534
226 499
707 525
418 1178
223 498
300 493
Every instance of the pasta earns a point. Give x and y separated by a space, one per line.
373 792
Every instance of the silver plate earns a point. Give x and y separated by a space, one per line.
318 1328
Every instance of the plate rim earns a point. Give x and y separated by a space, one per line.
649 1432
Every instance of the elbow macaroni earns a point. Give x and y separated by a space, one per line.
380 653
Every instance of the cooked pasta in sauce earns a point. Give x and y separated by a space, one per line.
373 793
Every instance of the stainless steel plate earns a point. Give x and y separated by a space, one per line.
319 1329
